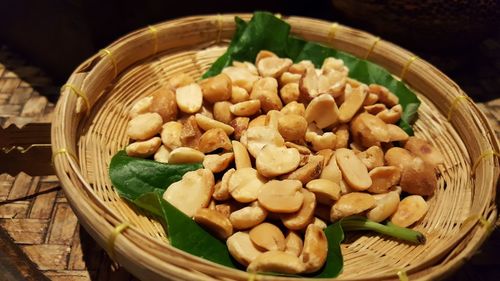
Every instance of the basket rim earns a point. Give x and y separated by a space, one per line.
107 216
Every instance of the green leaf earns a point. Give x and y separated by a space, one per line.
266 32
142 182
334 260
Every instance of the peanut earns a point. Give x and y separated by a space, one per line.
217 88
144 126
189 98
143 149
281 196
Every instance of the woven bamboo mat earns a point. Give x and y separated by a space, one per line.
38 218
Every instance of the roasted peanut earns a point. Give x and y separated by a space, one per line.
410 210
240 125
311 170
281 196
184 155
304 216
239 94
319 223
264 54
221 189
180 80
248 65
222 112
332 64
162 154
392 115
384 178
300 67
323 111
293 244
192 192
214 221
259 121
217 88
268 236
331 171
207 124
369 130
266 91
241 157
273 66
323 141
352 104
354 172
332 83
255 138
190 134
164 104
144 126
315 248
245 108
386 204
218 163
424 150
171 134
398 157
272 118
396 133
143 149
288 77
141 106
214 139
308 85
249 216
245 185
292 127
418 177
351 204
302 149
241 77
294 108
276 261
326 191
371 99
374 109
274 160
327 155
290 92
189 98
384 95
228 207
241 248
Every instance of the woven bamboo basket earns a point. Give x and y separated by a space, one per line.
91 118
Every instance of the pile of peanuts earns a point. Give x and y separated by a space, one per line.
286 149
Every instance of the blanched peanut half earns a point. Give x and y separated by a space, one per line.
215 222
144 126
274 160
221 190
214 139
398 157
351 204
281 196
272 118
192 192
143 149
326 191
331 171
259 121
327 155
384 95
241 248
369 130
323 111
217 88
410 210
208 123
392 115
301 67
227 207
396 133
141 106
245 108
171 134
309 171
268 236
245 185
162 154
218 163
241 77
352 104
179 80
164 104
248 65
308 85
240 125
384 178
315 248
293 244
424 150
324 141
319 223
266 90
294 108
418 177
185 155
302 149
332 64
222 112
189 98
276 261
288 77
255 138
342 133
273 66
354 172
264 54
371 99
374 109
290 92
386 205
241 157
239 94
292 127
304 216
248 217
332 83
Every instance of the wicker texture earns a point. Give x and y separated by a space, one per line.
452 226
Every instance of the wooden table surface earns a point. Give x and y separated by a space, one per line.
40 236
